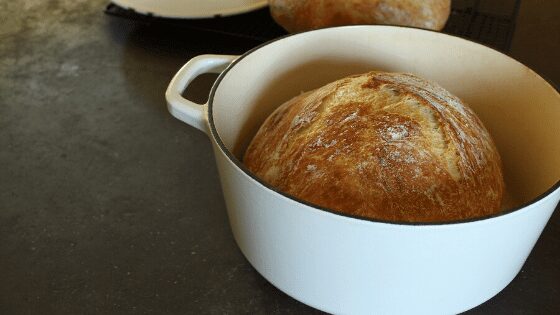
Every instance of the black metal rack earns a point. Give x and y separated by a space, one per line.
467 20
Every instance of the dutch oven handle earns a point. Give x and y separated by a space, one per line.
183 109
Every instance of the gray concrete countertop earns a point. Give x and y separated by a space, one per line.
108 205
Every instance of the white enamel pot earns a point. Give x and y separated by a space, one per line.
351 265
191 9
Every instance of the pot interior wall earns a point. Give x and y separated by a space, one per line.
519 108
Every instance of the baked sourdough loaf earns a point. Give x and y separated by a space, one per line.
303 15
388 146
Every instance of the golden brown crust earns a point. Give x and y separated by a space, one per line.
387 146
303 15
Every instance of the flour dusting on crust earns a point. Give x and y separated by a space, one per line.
381 145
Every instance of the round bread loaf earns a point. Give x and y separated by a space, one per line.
388 146
303 15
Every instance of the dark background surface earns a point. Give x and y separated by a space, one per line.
108 205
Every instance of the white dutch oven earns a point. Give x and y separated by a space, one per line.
343 264
191 9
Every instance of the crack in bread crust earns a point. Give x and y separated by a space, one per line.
381 145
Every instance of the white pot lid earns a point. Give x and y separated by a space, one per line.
191 9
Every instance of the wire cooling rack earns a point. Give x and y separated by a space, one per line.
469 19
